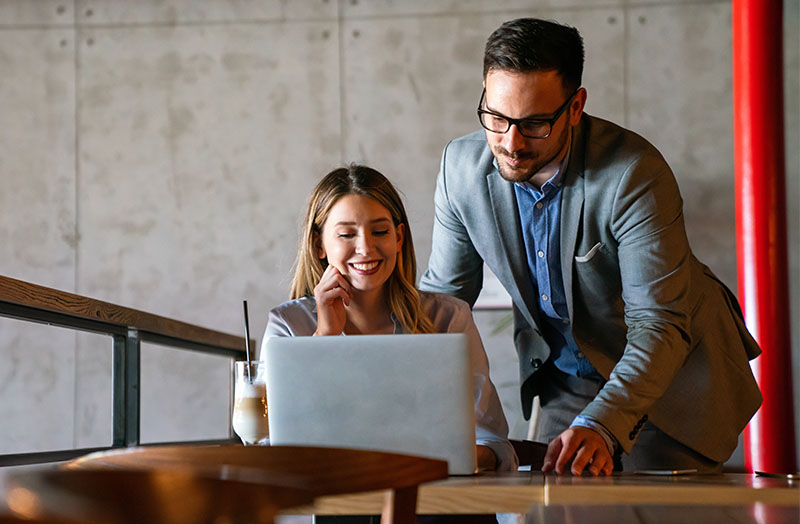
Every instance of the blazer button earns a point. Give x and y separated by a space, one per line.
536 363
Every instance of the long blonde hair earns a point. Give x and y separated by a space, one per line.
403 297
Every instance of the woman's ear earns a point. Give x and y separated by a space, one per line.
318 246
401 236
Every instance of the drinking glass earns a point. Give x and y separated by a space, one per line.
250 403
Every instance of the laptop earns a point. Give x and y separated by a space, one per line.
409 394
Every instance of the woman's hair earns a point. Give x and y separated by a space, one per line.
403 297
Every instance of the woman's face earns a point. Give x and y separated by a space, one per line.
360 239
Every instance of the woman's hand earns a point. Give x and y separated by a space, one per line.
487 460
332 294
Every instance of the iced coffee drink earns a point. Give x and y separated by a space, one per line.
250 403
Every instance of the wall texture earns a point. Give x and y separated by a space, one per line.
157 154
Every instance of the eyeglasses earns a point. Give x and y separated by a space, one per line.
527 127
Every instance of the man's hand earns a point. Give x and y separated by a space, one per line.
585 447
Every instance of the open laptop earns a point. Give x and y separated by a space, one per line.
408 394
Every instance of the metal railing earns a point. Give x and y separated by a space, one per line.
128 328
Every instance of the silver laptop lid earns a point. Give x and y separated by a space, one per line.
400 393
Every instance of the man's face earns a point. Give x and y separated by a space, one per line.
529 95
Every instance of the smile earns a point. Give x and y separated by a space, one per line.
365 267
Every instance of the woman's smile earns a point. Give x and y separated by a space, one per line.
365 268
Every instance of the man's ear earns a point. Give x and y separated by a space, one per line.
576 107
318 246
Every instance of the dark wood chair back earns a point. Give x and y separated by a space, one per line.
115 496
323 471
530 453
10 519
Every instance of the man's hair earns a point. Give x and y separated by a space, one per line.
525 45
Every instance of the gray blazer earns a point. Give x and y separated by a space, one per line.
667 335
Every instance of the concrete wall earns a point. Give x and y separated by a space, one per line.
157 154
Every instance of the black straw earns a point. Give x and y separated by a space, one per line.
246 337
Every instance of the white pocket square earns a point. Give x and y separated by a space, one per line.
588 256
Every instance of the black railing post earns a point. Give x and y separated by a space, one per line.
132 391
125 380
118 385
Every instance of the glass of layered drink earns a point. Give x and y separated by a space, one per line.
250 403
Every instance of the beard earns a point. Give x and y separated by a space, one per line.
532 162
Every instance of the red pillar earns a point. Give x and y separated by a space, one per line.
761 225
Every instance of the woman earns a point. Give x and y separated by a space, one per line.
355 274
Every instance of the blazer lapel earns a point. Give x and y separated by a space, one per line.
506 216
572 210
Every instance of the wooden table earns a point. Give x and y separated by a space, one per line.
707 499
621 498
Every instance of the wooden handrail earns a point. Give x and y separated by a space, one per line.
26 294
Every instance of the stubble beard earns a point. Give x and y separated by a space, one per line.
522 175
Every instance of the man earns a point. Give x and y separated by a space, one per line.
638 353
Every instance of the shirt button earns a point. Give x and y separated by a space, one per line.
544 297
540 253
538 205
536 363
565 321
579 354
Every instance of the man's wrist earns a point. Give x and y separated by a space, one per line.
608 437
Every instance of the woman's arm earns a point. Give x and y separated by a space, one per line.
491 428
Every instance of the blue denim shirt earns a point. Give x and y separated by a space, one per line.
540 219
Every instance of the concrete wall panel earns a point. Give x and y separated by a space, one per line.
37 156
184 396
198 147
37 383
38 13
511 8
680 98
37 225
91 12
93 390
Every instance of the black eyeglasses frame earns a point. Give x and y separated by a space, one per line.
516 121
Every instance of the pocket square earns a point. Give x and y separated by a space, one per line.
588 256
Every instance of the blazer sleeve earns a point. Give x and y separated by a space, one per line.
454 267
655 274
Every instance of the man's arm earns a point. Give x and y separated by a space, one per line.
654 270
655 273
454 267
